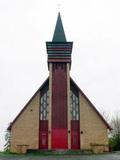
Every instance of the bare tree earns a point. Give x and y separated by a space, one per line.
115 132
105 115
115 123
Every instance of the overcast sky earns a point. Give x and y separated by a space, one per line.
25 26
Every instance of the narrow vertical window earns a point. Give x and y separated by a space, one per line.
74 106
44 99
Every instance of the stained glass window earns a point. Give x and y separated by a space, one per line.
44 106
74 106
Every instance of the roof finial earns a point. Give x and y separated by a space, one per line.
59 7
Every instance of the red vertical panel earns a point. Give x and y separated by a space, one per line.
43 142
59 105
75 134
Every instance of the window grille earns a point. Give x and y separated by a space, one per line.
74 106
44 106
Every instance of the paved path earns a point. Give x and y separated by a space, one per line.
113 156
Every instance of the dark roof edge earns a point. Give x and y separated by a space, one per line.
105 122
9 127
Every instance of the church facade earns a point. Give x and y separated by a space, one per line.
59 115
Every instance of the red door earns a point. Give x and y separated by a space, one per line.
43 140
43 134
59 139
75 134
75 140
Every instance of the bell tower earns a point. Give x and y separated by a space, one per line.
59 63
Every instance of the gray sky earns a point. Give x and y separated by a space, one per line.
25 26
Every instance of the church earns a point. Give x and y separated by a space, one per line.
59 116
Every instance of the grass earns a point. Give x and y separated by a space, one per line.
8 154
59 152
48 153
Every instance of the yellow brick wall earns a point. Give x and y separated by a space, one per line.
25 130
94 129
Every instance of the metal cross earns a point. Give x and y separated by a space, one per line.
59 7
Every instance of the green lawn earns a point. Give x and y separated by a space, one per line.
50 153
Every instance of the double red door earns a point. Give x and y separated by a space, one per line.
59 137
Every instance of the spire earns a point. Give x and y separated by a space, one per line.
59 34
59 50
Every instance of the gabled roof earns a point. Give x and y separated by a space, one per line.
59 34
94 108
46 81
9 127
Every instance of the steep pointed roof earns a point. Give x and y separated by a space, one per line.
46 82
59 34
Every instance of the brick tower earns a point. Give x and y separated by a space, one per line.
59 61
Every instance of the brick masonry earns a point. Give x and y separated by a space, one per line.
93 128
59 106
25 130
